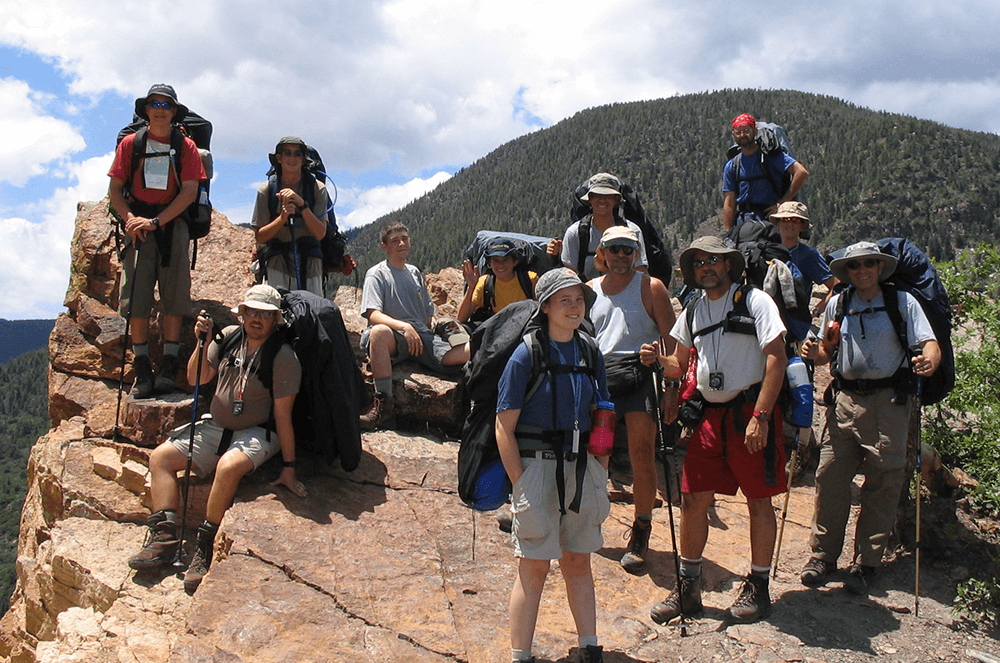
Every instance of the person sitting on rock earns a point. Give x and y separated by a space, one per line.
233 439
483 299
400 315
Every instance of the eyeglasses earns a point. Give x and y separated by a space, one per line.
160 104
291 153
855 265
624 250
710 260
249 312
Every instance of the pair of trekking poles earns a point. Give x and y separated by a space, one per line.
177 563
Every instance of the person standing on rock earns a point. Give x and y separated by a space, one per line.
740 368
247 424
560 495
633 309
288 229
153 210
400 315
874 389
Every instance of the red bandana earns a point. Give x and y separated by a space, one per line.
744 120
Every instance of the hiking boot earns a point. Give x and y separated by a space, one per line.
816 572
143 385
753 603
505 521
635 559
588 654
202 560
160 545
690 594
166 377
381 414
860 579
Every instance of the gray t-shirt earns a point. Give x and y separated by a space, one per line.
399 293
869 347
571 248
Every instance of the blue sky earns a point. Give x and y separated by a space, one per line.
398 95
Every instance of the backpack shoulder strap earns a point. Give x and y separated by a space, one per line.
539 353
890 296
138 153
272 195
583 232
490 292
176 151
526 285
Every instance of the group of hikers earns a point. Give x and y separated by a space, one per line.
600 335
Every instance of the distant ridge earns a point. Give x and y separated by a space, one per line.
873 174
20 336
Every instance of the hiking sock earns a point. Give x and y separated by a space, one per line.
590 640
140 349
208 527
384 386
169 515
645 518
171 348
760 571
691 568
518 655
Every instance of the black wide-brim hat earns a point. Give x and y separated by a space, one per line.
163 90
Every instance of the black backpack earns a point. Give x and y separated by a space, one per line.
327 407
492 345
333 247
916 275
772 141
529 250
660 262
199 130
760 244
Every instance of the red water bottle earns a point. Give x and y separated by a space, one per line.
602 429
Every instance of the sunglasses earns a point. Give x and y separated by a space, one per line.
160 104
249 312
711 260
624 250
868 263
291 153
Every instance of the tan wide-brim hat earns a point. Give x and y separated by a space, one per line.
711 244
793 209
861 251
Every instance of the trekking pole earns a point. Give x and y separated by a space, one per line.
788 493
128 323
178 562
920 476
662 447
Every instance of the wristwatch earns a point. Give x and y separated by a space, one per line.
288 463
761 415
156 222
672 384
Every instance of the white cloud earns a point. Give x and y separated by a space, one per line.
35 255
31 140
366 206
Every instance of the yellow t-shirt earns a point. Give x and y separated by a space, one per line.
505 293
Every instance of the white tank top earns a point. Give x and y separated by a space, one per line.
621 321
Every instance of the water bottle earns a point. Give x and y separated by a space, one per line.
800 403
602 429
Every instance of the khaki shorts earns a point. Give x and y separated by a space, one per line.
174 280
252 442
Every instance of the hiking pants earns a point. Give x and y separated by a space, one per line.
868 436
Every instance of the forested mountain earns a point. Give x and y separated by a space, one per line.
873 174
23 418
20 336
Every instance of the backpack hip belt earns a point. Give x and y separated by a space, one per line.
900 378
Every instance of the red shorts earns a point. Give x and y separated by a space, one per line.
705 468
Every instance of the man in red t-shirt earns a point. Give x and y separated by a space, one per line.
152 197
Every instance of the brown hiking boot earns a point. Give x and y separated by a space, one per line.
160 546
202 560
166 377
753 603
689 593
816 572
381 414
143 385
635 559
588 654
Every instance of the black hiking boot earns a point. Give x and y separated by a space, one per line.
505 520
635 559
860 579
753 603
588 654
381 414
160 545
143 385
166 377
816 572
689 593
202 560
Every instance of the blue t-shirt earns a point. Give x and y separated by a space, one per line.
538 411
811 263
755 187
